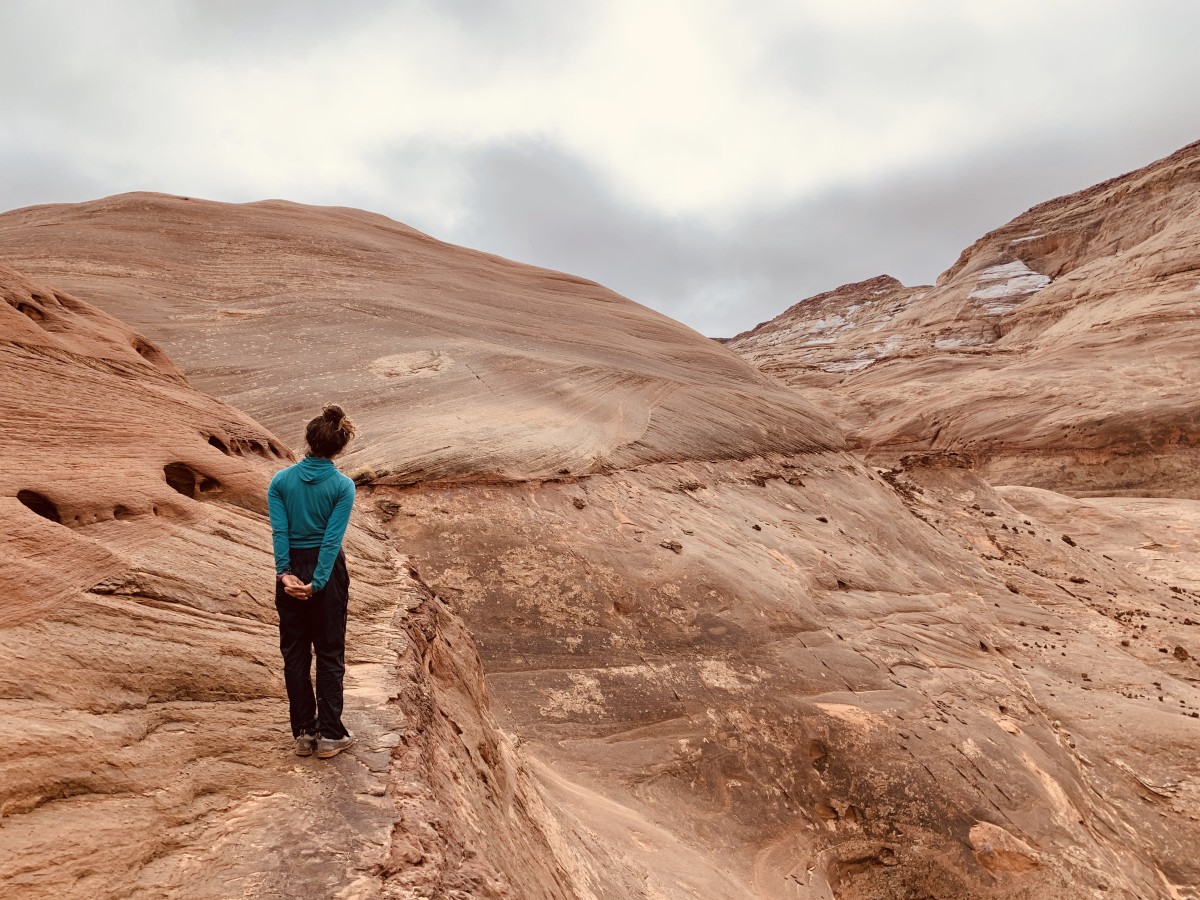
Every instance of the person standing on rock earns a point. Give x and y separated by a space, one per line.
310 505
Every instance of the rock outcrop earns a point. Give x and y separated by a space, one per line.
726 658
146 743
842 684
1060 351
459 364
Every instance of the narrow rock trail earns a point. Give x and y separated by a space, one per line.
226 808
321 827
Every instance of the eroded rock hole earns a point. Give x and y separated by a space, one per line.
181 478
215 441
40 504
122 512
32 311
149 352
187 481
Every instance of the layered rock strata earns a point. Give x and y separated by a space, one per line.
458 364
1060 350
146 742
727 658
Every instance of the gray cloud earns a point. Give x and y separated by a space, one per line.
536 202
959 116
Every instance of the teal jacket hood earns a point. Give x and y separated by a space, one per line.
315 469
310 505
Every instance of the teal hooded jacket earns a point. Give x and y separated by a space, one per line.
310 505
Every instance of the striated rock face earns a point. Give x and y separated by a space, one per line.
1060 351
147 751
726 659
796 677
458 364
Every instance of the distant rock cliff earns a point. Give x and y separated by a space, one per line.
1062 350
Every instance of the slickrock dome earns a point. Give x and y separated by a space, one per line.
460 364
144 717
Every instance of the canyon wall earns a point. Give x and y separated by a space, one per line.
628 618
1059 351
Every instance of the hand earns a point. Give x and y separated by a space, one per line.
299 590
294 587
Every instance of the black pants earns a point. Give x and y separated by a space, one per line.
316 625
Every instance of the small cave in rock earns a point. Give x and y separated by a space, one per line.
32 311
215 441
149 352
40 504
187 481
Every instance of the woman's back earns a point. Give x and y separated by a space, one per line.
310 492
310 504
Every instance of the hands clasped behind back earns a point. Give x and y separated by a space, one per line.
296 588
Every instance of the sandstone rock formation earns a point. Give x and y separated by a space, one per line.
725 658
1060 351
841 680
146 743
459 364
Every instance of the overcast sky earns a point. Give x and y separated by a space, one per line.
717 161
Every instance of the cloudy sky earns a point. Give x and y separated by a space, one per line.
715 160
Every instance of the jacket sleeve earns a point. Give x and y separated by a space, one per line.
335 530
279 527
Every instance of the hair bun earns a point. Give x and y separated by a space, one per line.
328 434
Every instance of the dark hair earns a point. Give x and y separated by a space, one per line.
329 433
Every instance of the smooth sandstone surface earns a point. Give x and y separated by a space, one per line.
1061 350
147 751
458 364
705 655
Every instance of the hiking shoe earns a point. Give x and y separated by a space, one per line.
327 747
305 744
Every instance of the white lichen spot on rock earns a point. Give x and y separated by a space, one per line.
970 749
418 364
719 675
584 697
